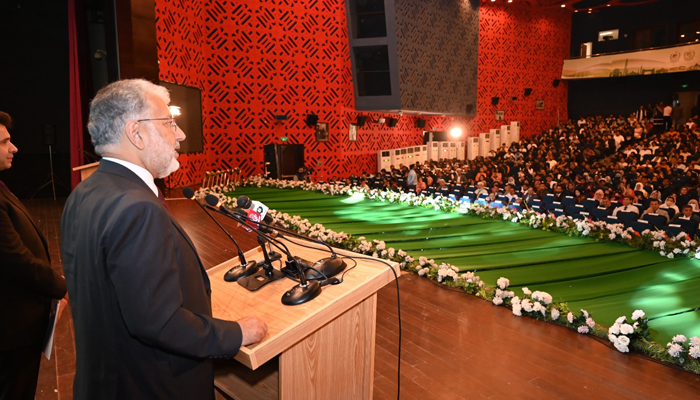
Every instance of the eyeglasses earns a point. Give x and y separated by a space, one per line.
172 123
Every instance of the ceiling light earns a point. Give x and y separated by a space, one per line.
563 5
682 35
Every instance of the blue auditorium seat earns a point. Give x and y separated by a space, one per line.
567 200
627 217
673 230
612 220
600 213
549 199
655 220
590 204
641 225
690 227
558 212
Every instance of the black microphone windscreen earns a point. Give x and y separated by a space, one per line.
188 193
243 202
212 200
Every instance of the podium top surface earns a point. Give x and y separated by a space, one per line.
287 325
91 165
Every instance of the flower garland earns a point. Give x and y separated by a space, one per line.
537 304
655 240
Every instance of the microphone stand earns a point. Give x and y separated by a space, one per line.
300 293
329 264
239 271
334 263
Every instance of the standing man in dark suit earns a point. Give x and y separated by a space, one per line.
140 297
27 287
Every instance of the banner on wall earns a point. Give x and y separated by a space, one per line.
648 62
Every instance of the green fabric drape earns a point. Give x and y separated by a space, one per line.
607 279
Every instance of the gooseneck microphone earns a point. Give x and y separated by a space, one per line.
269 273
237 272
324 268
300 293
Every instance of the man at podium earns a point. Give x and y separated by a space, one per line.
140 296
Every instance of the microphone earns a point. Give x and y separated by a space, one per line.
269 273
244 202
323 269
237 272
300 293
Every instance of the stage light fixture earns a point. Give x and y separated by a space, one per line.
174 110
456 132
563 5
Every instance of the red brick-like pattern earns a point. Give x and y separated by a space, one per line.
257 59
520 47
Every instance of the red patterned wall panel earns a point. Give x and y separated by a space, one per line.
521 46
255 59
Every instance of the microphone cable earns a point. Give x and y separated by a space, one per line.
398 310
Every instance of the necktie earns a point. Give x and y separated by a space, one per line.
2 185
625 208
162 200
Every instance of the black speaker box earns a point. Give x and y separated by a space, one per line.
49 135
555 82
311 120
420 123
494 101
361 119
393 122
528 91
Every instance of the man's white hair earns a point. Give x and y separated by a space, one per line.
117 103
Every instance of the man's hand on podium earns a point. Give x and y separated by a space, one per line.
253 328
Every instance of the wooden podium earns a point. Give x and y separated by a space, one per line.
86 170
323 349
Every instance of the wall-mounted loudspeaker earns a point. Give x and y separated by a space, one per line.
420 123
282 117
393 122
494 101
311 120
555 82
514 98
528 91
361 119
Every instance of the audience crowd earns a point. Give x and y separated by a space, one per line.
640 172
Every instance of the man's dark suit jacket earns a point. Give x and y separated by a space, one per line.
140 296
27 282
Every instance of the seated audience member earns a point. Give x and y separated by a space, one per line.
687 214
530 196
639 187
598 196
654 208
510 194
626 206
670 203
607 204
480 189
694 203
421 185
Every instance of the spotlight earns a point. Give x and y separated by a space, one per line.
563 5
456 132
174 110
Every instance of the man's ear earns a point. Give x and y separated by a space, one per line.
132 133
